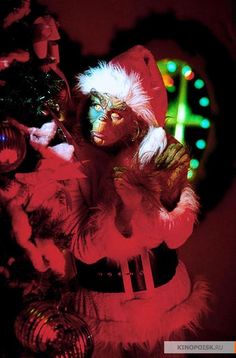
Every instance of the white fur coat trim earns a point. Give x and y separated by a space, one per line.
113 79
173 307
44 134
152 144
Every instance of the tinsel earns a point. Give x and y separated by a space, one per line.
27 91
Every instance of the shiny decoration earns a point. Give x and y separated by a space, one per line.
43 328
27 91
188 116
12 147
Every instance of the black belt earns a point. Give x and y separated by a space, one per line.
106 276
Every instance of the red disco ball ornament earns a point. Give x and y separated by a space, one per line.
12 147
43 328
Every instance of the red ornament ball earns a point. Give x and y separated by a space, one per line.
12 147
43 328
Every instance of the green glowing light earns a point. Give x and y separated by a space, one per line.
201 144
190 174
171 89
204 101
180 114
205 123
199 83
189 76
194 163
180 125
186 70
171 66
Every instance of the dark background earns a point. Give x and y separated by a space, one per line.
201 32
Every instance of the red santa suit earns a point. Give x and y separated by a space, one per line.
134 291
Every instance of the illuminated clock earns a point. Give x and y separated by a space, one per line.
189 115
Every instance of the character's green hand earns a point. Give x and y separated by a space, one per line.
174 155
128 191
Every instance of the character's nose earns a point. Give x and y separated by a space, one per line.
101 125
103 118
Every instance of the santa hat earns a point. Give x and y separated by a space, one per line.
134 78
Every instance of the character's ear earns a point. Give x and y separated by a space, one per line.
152 144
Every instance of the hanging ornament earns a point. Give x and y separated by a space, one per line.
43 328
12 147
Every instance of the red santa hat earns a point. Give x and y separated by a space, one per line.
134 78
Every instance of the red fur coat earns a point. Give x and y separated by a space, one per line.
165 214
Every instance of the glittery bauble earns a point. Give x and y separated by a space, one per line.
43 328
12 147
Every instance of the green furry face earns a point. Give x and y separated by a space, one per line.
109 118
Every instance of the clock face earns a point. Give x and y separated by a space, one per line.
189 114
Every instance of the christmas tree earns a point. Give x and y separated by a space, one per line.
30 78
33 91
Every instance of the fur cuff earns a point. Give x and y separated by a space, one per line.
115 245
101 238
171 308
181 220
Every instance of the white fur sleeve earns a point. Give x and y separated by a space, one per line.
173 227
104 241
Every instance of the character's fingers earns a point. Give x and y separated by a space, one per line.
175 156
184 160
119 171
119 183
171 155
159 160
180 152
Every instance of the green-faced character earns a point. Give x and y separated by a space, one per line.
111 120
